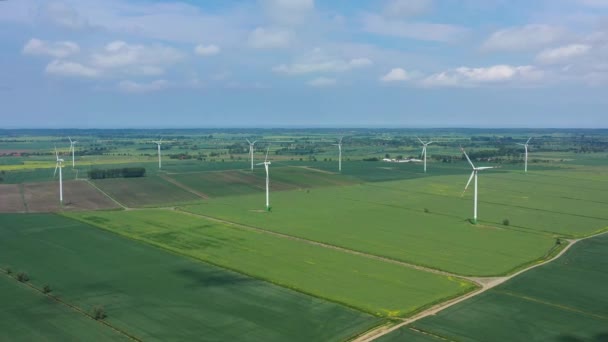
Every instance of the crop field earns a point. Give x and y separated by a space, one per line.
375 286
11 200
156 295
351 217
145 191
77 195
28 315
562 301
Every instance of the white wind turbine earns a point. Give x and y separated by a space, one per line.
266 163
251 151
526 155
474 174
72 143
59 165
424 145
158 142
339 144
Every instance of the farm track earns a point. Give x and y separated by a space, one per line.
107 195
487 284
184 187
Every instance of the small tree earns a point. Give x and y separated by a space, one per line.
426 210
9 270
505 222
46 289
99 312
23 277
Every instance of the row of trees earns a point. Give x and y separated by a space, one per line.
125 172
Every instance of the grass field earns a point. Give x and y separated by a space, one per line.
372 285
564 300
355 217
156 295
28 315
145 191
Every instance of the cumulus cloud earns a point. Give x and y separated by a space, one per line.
377 24
70 69
335 65
470 77
528 37
55 49
206 50
407 8
262 38
562 53
396 74
142 87
136 59
322 82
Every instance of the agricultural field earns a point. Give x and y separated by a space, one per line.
375 286
564 300
144 191
156 295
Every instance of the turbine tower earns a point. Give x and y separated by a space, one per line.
339 144
159 142
251 151
474 175
526 155
59 165
424 145
72 143
266 163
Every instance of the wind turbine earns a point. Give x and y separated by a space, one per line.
474 174
251 151
158 142
339 144
72 143
424 145
59 165
526 155
266 163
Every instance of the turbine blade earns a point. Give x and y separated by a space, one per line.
248 141
341 140
259 164
486 167
469 182
56 166
528 140
420 140
521 144
267 150
466 155
70 139
430 142
253 143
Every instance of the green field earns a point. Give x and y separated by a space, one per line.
564 300
156 295
388 223
372 285
145 191
28 315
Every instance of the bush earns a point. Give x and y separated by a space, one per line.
46 289
505 222
9 270
99 313
23 277
426 210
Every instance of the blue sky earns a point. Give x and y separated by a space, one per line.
306 63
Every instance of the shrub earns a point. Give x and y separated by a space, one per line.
99 313
9 270
46 289
23 277
426 210
505 222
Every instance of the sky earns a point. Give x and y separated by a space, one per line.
303 63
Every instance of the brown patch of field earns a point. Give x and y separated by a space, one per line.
77 195
10 199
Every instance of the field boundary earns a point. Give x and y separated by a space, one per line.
183 186
487 286
107 195
72 307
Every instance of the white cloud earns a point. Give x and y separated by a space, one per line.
471 77
322 82
336 65
562 53
396 74
55 49
528 37
206 50
413 30
63 15
142 87
262 38
136 59
288 12
407 8
70 69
